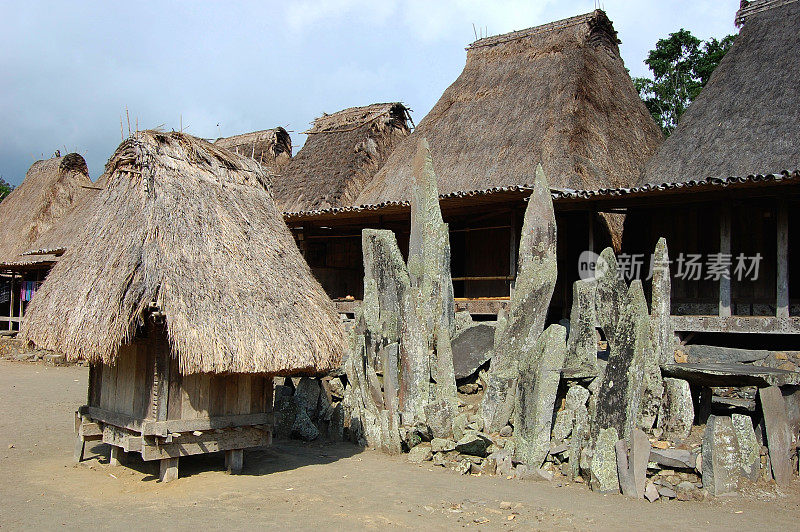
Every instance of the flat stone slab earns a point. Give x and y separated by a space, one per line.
711 354
677 458
472 349
731 375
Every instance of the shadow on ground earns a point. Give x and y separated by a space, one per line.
282 455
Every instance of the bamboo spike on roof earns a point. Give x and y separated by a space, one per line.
744 122
272 148
342 154
50 189
556 94
192 227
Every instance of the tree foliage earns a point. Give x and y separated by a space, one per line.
681 65
5 189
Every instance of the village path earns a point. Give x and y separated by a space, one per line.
298 486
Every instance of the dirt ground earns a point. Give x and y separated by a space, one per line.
295 485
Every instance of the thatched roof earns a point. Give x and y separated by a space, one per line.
745 119
342 154
557 94
50 189
272 148
193 228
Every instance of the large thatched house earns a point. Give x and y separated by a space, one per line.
186 293
556 94
724 190
271 148
343 152
48 193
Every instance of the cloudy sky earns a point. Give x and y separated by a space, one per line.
69 69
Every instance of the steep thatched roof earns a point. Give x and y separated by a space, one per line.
556 94
342 154
745 119
272 148
50 189
193 228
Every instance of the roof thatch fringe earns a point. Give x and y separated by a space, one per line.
557 94
745 119
342 154
272 148
50 189
192 227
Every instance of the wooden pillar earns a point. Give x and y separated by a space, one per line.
11 302
783 261
591 230
725 248
168 469
115 457
234 460
80 447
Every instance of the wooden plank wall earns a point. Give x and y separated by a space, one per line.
127 387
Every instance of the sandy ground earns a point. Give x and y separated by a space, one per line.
294 485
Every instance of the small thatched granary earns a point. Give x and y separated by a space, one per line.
556 94
343 152
186 293
271 148
50 190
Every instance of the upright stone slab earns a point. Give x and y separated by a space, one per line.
604 476
661 317
749 449
472 348
610 293
536 278
619 399
582 345
639 458
624 470
676 415
779 436
540 373
720 456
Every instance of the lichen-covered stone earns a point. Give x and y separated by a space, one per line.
619 399
749 449
604 477
540 373
721 466
519 329
429 273
610 293
661 317
676 414
473 443
581 357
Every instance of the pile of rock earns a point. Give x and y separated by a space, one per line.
19 351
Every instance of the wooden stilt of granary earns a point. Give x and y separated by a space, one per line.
187 295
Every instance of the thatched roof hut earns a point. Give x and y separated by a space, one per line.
272 148
343 152
744 122
556 94
190 229
50 189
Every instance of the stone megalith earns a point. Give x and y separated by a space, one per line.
749 448
661 313
429 273
619 399
517 333
676 414
539 375
610 293
604 474
581 358
720 456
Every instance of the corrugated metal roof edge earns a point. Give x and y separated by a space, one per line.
563 194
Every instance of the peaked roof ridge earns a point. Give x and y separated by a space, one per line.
352 117
495 40
749 8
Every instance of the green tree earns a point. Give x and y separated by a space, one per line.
681 65
5 189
